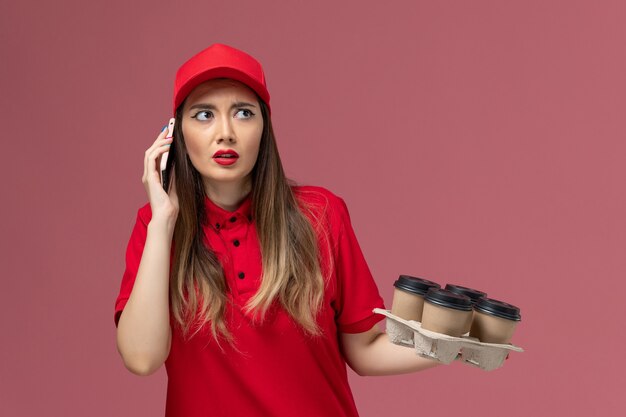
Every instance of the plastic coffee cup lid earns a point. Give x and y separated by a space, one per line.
449 299
414 285
475 295
498 309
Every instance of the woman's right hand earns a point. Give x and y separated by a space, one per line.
164 206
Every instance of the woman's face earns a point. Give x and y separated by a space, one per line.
222 115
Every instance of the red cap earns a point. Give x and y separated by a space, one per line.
220 61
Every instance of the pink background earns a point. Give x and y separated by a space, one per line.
480 143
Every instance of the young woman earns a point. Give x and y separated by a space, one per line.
251 289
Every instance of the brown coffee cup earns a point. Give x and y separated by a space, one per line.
494 321
408 296
446 312
473 294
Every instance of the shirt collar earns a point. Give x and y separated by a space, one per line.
220 218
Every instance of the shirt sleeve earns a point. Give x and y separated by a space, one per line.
357 293
134 251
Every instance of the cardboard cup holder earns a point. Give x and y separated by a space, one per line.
444 348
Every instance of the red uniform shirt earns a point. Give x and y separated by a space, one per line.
282 371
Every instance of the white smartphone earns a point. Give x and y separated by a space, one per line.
165 166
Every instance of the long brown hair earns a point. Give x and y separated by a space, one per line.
289 249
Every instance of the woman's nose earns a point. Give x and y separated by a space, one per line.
226 131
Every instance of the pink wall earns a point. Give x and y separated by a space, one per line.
476 142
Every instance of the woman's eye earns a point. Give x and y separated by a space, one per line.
203 115
246 113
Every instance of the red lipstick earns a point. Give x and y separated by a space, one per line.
225 156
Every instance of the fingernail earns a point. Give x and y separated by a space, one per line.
164 127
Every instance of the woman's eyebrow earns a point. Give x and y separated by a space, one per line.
212 107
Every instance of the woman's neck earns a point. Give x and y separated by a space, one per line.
227 195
